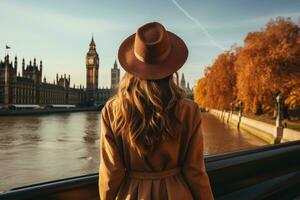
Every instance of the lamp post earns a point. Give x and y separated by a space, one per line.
279 114
230 113
279 127
241 107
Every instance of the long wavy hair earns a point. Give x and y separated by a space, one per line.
144 110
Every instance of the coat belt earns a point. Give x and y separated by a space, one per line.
154 175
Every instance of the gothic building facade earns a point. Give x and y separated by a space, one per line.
92 68
186 87
30 88
95 95
115 76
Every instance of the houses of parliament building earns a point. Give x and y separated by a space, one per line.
30 88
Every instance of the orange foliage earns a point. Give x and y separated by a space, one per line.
200 92
221 82
217 88
267 64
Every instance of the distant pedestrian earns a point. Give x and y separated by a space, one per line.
151 144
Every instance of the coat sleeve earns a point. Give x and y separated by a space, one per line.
194 167
111 170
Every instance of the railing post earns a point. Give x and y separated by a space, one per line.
223 115
230 113
229 116
279 127
241 107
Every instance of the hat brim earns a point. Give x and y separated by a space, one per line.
173 62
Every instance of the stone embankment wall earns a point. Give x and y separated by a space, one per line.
262 130
7 112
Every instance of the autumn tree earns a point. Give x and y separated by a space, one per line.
221 81
268 64
200 92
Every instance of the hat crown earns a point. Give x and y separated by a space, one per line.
152 52
151 43
150 36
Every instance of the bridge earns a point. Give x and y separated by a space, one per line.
271 172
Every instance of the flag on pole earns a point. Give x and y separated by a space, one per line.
7 47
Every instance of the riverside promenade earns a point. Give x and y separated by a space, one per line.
267 132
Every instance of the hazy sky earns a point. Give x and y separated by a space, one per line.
59 31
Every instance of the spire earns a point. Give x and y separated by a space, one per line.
6 59
16 62
182 82
115 65
23 66
92 44
34 62
41 65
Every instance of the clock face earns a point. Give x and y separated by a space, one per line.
91 61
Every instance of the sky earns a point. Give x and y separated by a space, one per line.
59 31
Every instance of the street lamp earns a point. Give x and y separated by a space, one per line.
230 113
241 107
279 114
279 127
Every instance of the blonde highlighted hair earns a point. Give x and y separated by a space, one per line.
144 110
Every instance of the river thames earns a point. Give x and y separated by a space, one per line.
36 149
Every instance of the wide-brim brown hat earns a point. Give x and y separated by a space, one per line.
152 52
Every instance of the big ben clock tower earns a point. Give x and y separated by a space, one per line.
92 67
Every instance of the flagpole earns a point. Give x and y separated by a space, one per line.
6 50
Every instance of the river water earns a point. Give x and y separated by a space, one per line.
36 149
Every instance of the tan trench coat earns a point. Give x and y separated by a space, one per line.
175 171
